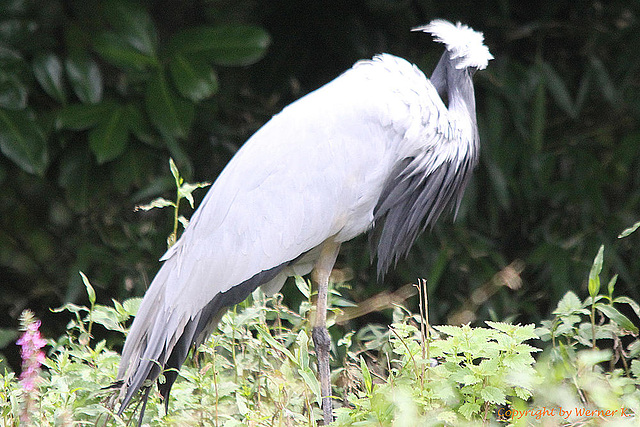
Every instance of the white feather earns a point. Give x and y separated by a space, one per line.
462 41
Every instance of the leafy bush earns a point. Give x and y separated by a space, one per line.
257 370
470 372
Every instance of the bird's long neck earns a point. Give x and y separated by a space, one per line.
455 86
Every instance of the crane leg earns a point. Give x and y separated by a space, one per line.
319 333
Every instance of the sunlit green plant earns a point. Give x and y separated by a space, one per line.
581 324
469 373
184 190
593 364
258 369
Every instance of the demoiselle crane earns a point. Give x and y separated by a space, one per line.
381 148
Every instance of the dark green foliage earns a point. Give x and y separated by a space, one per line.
95 96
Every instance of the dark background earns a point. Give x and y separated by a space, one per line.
558 113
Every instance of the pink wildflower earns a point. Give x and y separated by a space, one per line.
32 357
31 343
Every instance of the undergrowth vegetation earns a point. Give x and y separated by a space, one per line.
258 369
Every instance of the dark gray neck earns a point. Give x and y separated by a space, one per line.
455 86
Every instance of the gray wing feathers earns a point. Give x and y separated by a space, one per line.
415 195
147 338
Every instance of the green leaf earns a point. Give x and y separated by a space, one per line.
588 301
594 274
558 90
522 393
303 286
629 230
86 79
611 285
454 331
10 58
133 23
468 379
90 291
507 328
526 332
539 116
120 309
194 79
71 307
183 221
132 305
175 172
605 82
487 367
130 168
469 409
266 335
493 394
593 357
116 50
107 317
22 141
312 382
109 139
569 304
617 317
140 127
626 300
168 112
156 203
82 116
500 184
176 150
187 189
228 45
303 350
78 178
582 92
48 72
366 375
13 94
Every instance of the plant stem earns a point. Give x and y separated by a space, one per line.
174 235
593 324
215 387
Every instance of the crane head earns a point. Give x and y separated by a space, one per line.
464 44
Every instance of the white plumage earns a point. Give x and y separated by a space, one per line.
375 148
463 42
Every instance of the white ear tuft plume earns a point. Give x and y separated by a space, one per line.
462 41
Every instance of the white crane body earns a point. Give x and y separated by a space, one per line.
376 148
